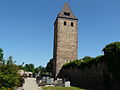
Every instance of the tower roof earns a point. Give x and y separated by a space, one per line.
66 12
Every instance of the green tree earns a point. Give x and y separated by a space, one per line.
41 70
1 54
49 67
87 58
9 77
29 67
112 49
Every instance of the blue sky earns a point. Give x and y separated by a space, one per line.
26 27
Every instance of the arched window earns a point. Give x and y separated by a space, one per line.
65 23
72 24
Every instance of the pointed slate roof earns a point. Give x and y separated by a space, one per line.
66 12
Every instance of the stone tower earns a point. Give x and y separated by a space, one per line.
65 39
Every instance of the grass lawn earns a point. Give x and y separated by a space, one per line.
61 88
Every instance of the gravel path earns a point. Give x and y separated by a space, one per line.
30 84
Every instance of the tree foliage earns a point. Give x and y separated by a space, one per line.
29 67
112 49
41 70
9 77
49 66
38 70
1 54
82 63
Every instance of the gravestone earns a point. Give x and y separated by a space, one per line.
50 80
58 82
44 79
67 84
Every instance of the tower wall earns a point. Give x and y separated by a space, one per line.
65 42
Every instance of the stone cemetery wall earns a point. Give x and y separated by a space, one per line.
94 77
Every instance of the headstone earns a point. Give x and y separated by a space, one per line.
59 82
44 79
67 84
50 80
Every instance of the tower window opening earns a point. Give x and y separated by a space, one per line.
72 24
66 14
65 23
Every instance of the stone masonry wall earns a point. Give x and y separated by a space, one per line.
94 77
65 43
